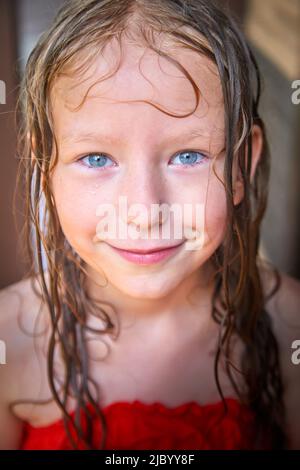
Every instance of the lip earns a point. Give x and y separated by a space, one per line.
147 256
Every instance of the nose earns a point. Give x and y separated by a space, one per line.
144 189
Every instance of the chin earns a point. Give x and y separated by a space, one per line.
147 289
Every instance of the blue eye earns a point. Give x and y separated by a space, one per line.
96 160
99 160
190 158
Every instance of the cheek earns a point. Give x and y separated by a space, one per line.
206 197
76 208
215 211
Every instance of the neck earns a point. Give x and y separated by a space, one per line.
191 300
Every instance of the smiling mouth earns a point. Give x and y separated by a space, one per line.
149 250
149 256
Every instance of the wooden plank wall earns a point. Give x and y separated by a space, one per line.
273 28
11 269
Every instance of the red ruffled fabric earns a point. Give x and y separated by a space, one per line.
136 425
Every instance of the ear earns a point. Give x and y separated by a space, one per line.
257 145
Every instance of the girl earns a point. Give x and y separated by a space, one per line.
148 340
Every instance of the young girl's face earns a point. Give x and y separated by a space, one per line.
111 148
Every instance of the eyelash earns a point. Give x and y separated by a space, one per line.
205 157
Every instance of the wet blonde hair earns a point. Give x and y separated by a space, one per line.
79 33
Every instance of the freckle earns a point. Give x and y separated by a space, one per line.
94 188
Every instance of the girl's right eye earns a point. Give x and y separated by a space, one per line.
96 160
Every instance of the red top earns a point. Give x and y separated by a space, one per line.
136 425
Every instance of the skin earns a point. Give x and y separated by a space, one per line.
142 145
158 296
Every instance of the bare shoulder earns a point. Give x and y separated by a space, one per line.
21 317
283 305
284 310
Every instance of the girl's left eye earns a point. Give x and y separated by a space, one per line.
97 160
190 158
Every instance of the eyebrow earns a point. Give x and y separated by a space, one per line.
93 136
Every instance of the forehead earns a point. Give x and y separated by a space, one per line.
112 92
